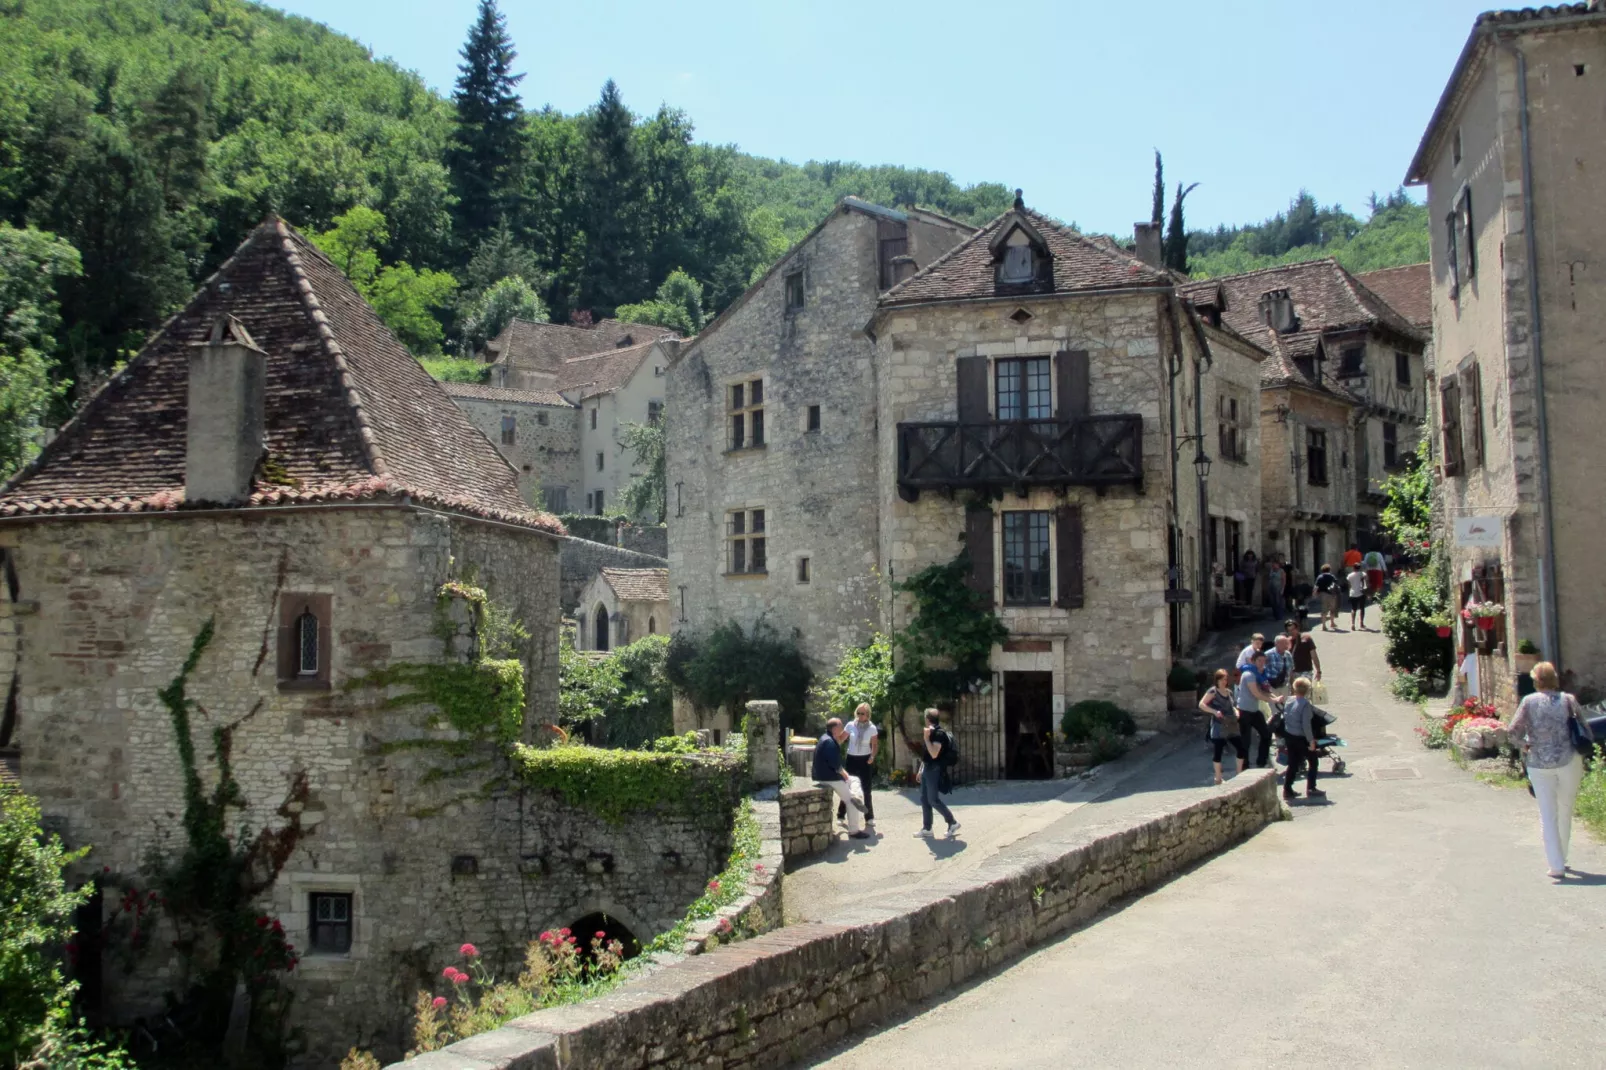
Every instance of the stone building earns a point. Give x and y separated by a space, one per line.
1368 354
613 389
1514 159
275 463
1040 401
771 438
622 605
526 355
536 431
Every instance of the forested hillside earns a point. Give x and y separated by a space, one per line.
140 140
1394 233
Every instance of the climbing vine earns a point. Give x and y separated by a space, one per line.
951 627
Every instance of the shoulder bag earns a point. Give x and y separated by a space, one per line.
1578 728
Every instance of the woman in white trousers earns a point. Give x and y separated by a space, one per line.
1541 727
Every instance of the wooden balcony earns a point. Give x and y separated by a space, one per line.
1089 451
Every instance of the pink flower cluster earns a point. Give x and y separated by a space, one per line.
455 975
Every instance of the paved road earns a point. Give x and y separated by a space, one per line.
1407 923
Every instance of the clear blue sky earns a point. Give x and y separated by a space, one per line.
1251 98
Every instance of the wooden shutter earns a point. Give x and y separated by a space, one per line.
972 381
1471 386
979 542
1068 553
1073 384
1450 425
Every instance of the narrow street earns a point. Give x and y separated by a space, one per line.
1407 922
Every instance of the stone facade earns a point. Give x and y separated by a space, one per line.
542 442
610 619
1232 441
605 410
1118 644
1306 515
771 1001
581 560
1516 385
817 489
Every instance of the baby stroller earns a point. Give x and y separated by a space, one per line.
1326 743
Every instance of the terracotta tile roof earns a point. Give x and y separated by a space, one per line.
483 392
600 373
966 272
1281 366
1407 290
638 584
545 346
1326 298
349 415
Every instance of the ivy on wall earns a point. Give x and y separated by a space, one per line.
947 646
616 784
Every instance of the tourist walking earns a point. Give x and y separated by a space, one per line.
1299 729
935 745
1218 705
1542 727
828 771
863 742
1279 666
1246 656
1357 595
1327 587
1376 573
1306 662
1252 691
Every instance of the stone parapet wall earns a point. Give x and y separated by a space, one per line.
760 908
775 998
806 822
645 539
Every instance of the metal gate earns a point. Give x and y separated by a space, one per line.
977 725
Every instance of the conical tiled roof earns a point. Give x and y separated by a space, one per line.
349 413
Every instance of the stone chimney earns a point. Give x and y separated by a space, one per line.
1277 309
227 395
1147 236
903 267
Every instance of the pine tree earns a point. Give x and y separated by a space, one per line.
615 268
488 140
1157 216
1175 254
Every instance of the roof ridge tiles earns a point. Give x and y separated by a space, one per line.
332 349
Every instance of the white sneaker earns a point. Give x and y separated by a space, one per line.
953 830
924 834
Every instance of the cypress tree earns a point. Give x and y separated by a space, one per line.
1175 253
1157 215
487 142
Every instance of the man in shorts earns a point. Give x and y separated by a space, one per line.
1327 586
1376 573
1357 596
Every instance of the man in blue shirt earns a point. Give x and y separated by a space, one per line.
1252 690
828 771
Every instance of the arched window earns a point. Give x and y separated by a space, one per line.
307 644
601 632
652 626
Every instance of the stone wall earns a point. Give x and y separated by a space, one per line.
807 819
434 847
545 450
645 539
1291 506
582 559
1234 486
775 999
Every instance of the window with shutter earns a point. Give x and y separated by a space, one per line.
1073 373
1026 558
1472 416
1450 426
971 378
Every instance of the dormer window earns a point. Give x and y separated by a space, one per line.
1017 265
1020 255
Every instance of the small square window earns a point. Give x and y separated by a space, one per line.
509 430
814 418
794 291
746 415
540 418
329 922
802 570
657 369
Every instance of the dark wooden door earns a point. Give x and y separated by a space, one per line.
1029 725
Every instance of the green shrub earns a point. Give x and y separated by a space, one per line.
1527 646
1084 719
863 675
1408 686
729 667
1181 678
1413 645
1591 805
622 700
36 919
613 784
1105 745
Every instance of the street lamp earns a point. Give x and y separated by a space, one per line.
1201 465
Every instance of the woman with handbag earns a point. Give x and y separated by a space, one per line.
1218 704
1553 735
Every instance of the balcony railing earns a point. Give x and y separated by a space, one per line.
1091 451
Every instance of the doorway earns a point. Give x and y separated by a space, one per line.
1028 725
601 635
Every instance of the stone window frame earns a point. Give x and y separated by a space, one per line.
795 293
1402 368
540 418
1232 425
655 413
602 460
1025 365
747 535
1316 475
593 417
315 903
811 420
292 606
296 915
803 570
1052 548
744 416
510 430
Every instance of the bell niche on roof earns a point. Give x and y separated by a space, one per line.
224 422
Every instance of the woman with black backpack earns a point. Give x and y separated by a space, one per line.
936 750
1222 725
